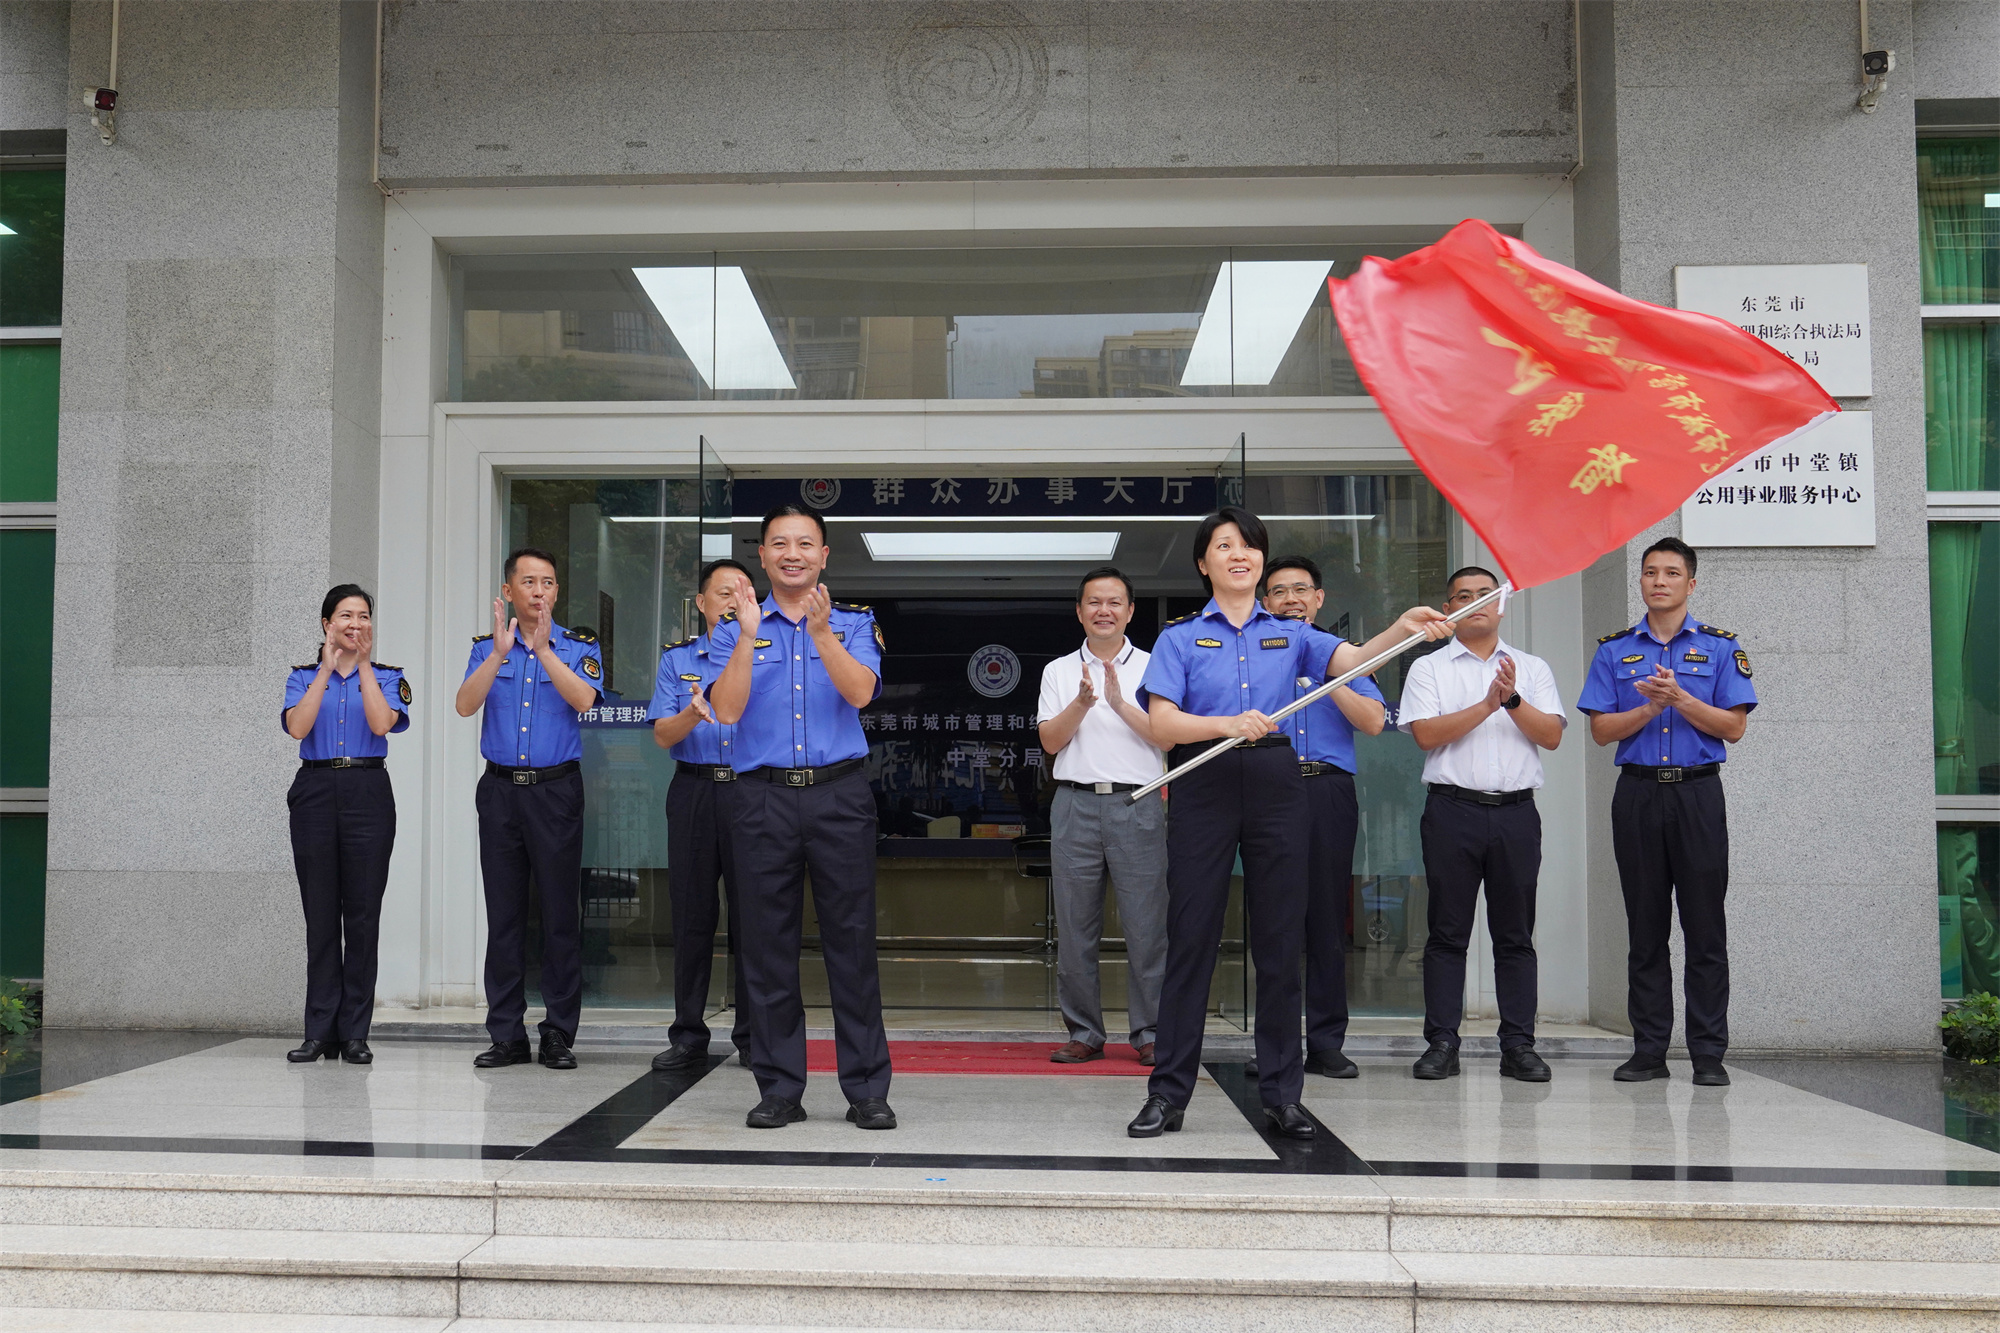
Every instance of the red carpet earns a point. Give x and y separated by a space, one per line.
983 1057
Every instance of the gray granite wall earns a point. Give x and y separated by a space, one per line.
220 411
1737 142
527 92
34 63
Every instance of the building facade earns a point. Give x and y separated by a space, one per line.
369 292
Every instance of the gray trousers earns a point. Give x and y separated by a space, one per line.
1095 837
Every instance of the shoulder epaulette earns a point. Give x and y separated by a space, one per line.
1182 620
481 638
306 666
1618 634
727 615
384 666
580 635
678 643
1718 633
851 606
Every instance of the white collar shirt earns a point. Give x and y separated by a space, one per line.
1495 755
1104 748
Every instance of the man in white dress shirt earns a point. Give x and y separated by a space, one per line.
1093 719
1482 711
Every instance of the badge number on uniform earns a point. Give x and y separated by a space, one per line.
1694 657
1280 642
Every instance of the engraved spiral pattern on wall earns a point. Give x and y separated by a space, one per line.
968 76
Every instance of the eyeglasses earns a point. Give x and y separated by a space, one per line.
1286 589
1462 597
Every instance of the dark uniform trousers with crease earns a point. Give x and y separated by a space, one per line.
699 851
1333 820
1255 797
1671 840
532 833
780 834
343 830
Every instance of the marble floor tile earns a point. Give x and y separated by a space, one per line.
1582 1116
1039 1116
216 1250
213 1321
1832 1282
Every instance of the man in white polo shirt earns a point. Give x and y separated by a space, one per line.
1482 711
1093 719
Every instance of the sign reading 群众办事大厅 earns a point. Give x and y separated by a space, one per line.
1816 314
1815 489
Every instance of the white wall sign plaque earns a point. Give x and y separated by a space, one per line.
1815 489
1817 314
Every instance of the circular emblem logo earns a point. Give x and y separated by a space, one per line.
820 492
968 76
994 670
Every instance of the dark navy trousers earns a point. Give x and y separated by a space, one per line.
700 851
1253 799
1467 844
343 829
1671 840
532 834
782 833
1333 819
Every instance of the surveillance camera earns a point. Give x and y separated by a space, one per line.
101 99
1875 64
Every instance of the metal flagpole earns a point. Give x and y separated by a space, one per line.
1315 695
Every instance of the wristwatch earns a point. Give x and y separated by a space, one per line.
1513 700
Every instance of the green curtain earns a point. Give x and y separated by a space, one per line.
1960 236
1969 924
1954 580
1962 406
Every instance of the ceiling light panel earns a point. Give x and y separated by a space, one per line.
989 546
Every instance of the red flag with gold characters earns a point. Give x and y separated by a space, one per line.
1560 417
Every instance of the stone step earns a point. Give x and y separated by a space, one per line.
1240 1213
1108 1289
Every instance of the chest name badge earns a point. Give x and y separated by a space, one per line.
1694 657
761 643
591 669
1279 642
840 636
1635 657
1208 643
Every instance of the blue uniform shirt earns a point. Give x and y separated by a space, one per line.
1321 731
341 729
1712 667
526 723
1210 668
795 718
683 666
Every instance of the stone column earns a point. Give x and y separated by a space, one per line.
219 456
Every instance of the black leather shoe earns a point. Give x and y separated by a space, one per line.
743 1056
309 1050
1640 1068
556 1053
774 1113
504 1053
1440 1061
1290 1120
1521 1062
356 1053
1158 1116
679 1057
1709 1073
1332 1064
871 1113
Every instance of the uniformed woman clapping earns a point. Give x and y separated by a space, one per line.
341 709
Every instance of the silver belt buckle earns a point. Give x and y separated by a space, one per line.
722 773
1671 774
523 778
1102 788
798 777
343 762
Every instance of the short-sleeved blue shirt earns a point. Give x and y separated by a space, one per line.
1321 731
683 666
341 730
526 723
795 718
1712 667
1208 667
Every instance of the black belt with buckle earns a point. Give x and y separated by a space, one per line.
1312 768
1484 797
1099 788
1687 774
528 777
345 762
806 777
706 772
